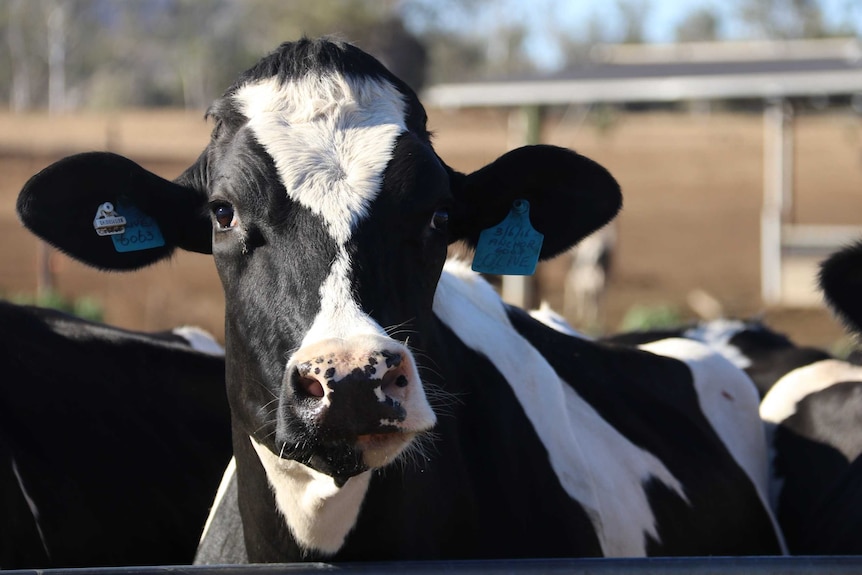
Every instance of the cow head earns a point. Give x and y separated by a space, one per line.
840 279
328 214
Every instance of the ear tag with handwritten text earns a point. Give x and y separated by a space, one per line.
511 247
141 232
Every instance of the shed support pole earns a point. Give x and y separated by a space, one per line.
777 195
525 128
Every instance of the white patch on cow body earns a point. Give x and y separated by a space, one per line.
596 465
554 320
729 400
318 513
781 400
330 137
200 340
717 334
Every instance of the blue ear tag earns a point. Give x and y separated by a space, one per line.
511 247
141 233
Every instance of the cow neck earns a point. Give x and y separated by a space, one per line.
564 421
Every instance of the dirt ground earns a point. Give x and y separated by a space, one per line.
692 188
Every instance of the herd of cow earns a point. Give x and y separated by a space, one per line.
375 401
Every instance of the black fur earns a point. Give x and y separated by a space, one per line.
841 281
118 440
819 460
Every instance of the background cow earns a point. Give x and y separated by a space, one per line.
764 354
587 279
112 442
813 413
329 215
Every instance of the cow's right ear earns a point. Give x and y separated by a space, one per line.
841 282
63 204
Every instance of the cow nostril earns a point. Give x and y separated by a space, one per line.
311 386
304 381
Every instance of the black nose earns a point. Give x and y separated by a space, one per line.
359 405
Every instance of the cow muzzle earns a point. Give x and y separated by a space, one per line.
362 394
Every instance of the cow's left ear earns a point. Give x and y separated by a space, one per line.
63 204
841 282
570 196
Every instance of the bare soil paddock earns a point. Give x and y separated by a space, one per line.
692 187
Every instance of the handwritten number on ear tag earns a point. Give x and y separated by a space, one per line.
511 247
141 233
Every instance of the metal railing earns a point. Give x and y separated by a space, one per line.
830 565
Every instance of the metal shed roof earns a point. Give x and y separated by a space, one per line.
676 72
773 71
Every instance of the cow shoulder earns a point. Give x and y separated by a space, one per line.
728 399
585 398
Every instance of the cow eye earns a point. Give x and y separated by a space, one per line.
224 216
440 220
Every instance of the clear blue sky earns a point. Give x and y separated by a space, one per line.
662 18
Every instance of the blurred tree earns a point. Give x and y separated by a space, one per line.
700 25
42 35
169 52
633 17
115 53
399 50
578 48
783 19
466 39
377 26
19 62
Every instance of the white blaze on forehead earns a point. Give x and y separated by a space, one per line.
330 136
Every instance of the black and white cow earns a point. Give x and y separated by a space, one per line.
814 417
387 404
112 442
812 405
764 354
817 413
